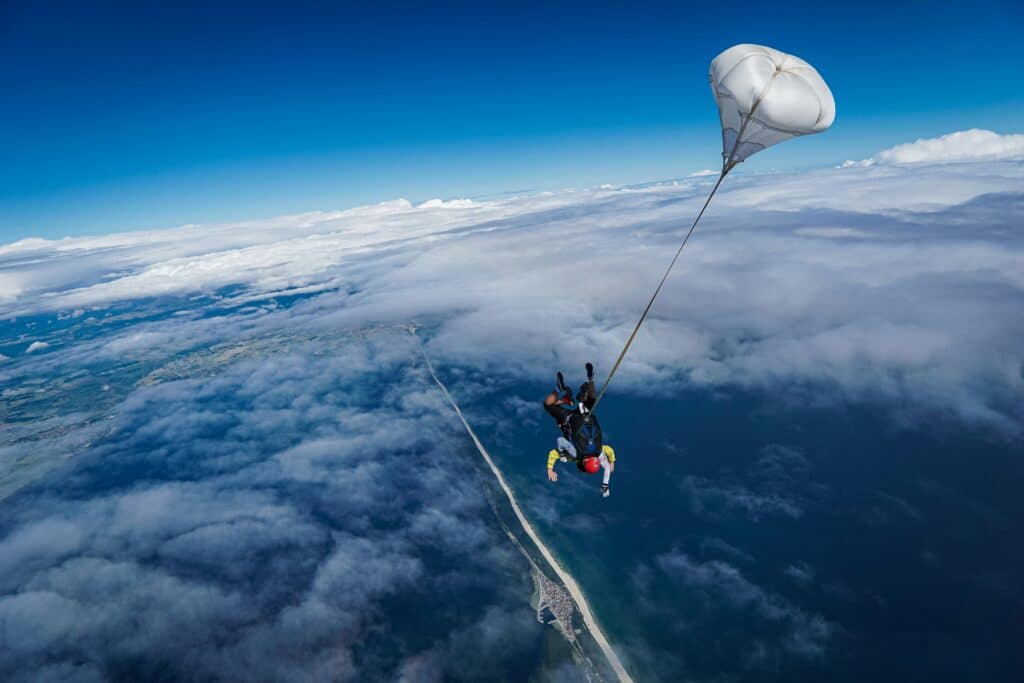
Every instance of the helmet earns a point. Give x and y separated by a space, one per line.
591 465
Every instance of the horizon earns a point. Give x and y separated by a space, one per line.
131 118
944 149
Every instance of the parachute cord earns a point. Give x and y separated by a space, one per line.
725 169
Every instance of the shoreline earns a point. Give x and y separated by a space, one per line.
589 620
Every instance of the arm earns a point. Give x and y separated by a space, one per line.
552 459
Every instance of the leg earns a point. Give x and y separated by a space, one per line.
565 446
606 466
557 392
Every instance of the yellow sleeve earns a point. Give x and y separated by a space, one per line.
609 453
552 457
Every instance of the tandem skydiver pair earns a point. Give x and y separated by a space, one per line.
581 440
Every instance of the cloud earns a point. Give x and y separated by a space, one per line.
449 204
801 573
253 521
891 282
805 635
961 146
773 486
834 233
261 472
36 346
965 145
706 497
717 546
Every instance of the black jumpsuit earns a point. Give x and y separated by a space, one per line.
570 420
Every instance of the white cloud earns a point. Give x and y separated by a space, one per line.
36 346
883 281
10 287
704 172
965 145
449 204
835 233
878 282
254 533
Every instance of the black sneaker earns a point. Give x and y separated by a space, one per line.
605 491
590 371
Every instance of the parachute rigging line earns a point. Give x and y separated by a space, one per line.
728 164
797 102
643 316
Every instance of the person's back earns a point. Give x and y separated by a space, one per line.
585 435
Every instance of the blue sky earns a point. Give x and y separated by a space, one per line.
121 117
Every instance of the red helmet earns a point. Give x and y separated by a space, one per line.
591 465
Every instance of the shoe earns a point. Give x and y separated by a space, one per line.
605 491
590 371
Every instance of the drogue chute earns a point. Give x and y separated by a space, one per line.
764 97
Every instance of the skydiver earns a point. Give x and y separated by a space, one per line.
581 434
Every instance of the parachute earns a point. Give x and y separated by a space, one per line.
764 97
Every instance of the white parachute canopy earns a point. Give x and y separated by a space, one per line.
764 97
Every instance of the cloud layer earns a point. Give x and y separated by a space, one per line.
964 145
263 480
894 281
271 521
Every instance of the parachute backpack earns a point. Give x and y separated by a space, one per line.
586 437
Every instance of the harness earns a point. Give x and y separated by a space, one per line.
584 431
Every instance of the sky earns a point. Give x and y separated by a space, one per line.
127 117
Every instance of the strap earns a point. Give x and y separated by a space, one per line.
647 308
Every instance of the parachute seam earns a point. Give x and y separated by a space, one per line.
776 128
814 91
738 62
